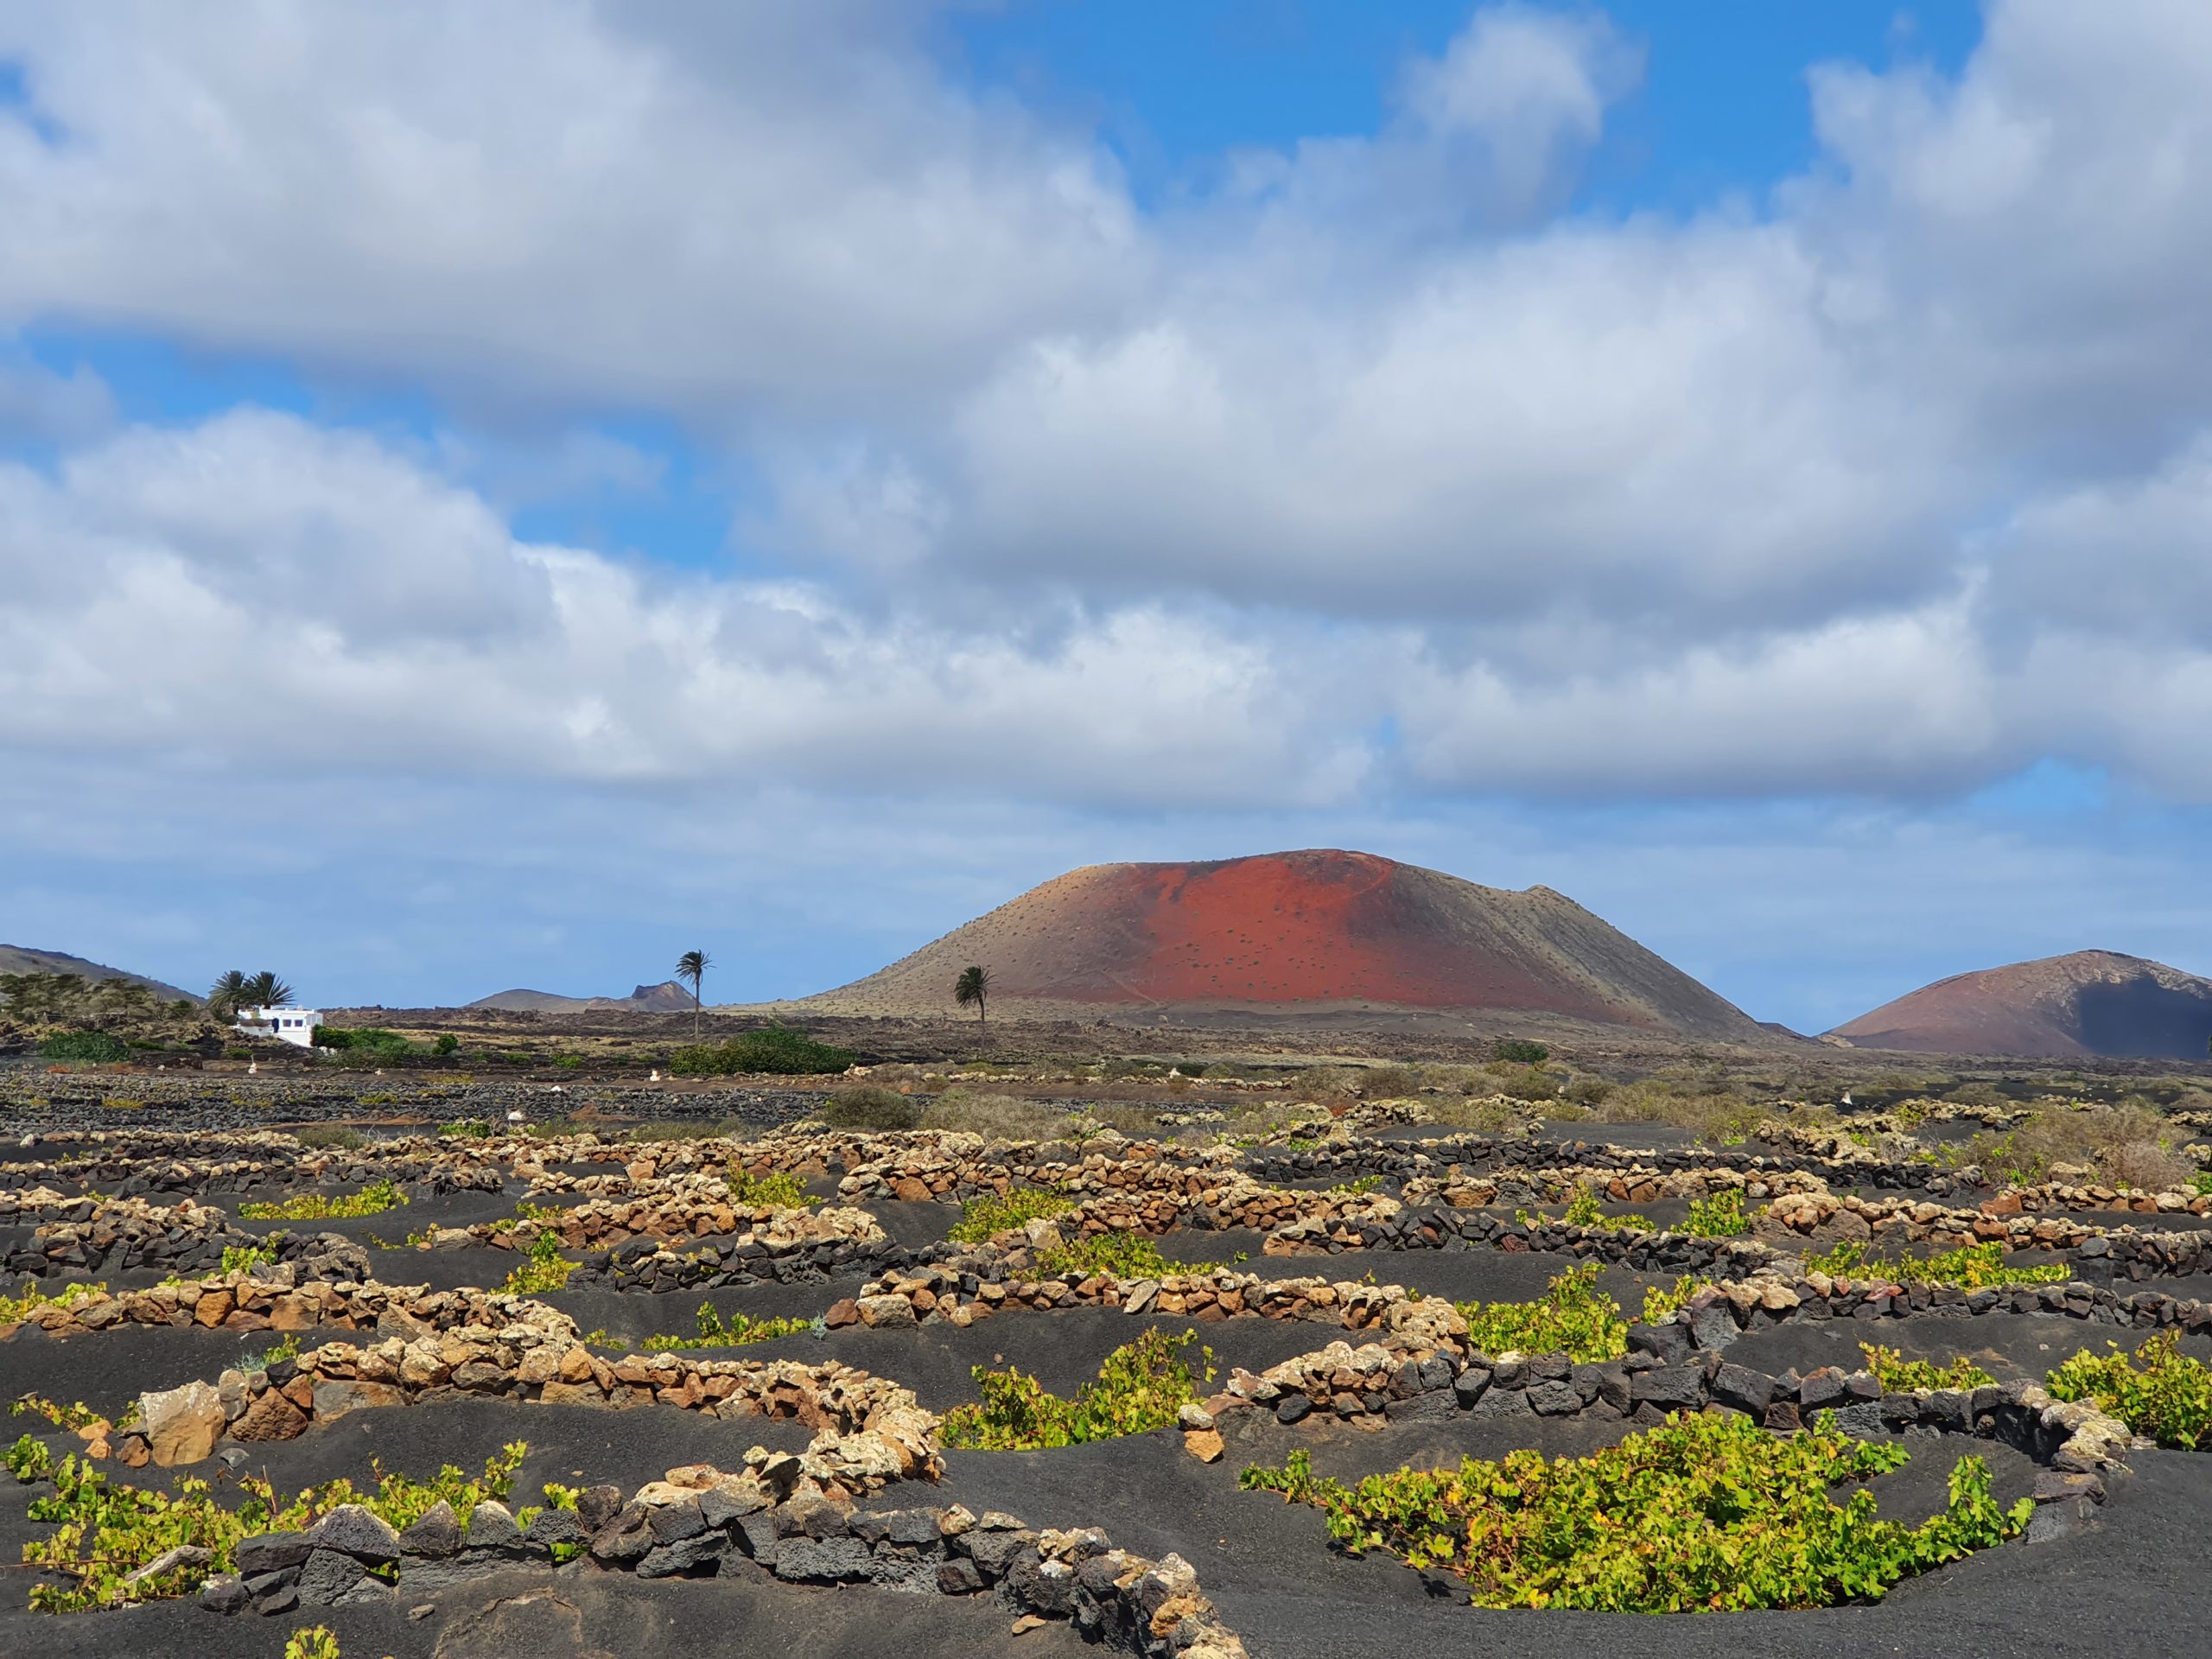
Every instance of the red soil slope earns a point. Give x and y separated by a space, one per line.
1292 931
2089 1004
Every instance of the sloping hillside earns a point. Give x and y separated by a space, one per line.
21 959
665 998
1315 931
2088 1004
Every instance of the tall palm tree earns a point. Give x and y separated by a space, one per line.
692 965
226 996
265 990
973 985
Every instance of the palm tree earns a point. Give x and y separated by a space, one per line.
973 985
692 965
265 990
226 996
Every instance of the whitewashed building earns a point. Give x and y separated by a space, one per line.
285 1024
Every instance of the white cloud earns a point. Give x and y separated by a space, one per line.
267 592
694 205
1890 485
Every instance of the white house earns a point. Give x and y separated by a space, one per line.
285 1024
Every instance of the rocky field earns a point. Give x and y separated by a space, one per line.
658 1372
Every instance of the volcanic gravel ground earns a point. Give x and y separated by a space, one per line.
107 1370
1062 1349
1660 1212
421 1210
636 1314
483 1266
574 1613
2132 1587
2007 1345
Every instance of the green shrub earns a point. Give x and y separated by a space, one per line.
1572 1317
869 1109
1971 1266
83 1046
778 1190
1519 1053
716 1333
313 1641
1894 1371
15 1309
1661 1306
372 1200
238 1052
546 1269
447 1044
467 1127
985 1218
1141 1385
1718 1214
774 1049
104 1532
238 1258
370 1044
1703 1514
1123 1254
1583 1211
2158 1390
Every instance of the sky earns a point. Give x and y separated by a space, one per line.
499 496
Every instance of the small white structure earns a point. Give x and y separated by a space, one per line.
294 1025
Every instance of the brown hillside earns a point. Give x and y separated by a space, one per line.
2090 1004
21 959
1306 931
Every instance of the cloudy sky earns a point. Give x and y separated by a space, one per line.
499 495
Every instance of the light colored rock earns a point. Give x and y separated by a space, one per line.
181 1424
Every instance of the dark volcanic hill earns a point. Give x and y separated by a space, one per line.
2090 1004
668 997
21 959
1299 932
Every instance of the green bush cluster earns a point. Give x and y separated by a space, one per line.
1124 1255
1703 1514
1718 1214
15 1309
370 1044
545 1270
372 1200
105 1532
1519 1053
88 1046
1971 1266
1141 1385
716 1333
237 1258
2158 1390
993 1213
775 1049
1572 1317
778 1190
870 1110
1895 1372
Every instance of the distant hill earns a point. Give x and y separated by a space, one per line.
1319 933
21 959
2091 1004
664 998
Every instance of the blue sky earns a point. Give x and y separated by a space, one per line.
502 498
